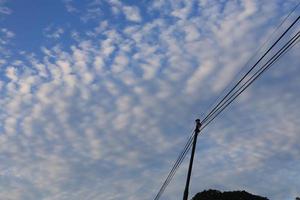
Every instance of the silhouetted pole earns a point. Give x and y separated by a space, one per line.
187 185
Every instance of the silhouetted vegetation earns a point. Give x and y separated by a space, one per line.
218 195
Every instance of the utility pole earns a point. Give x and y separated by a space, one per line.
196 131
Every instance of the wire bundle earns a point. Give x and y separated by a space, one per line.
238 89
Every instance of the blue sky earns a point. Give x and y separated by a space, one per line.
98 98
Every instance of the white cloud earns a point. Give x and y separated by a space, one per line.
69 6
132 13
6 36
53 32
120 63
202 72
184 11
191 33
4 10
11 73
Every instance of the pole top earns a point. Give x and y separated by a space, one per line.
198 125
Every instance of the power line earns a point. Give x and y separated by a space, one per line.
188 144
270 63
175 166
256 52
251 69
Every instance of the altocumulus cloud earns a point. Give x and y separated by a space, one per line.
104 116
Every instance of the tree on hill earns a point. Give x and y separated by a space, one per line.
235 195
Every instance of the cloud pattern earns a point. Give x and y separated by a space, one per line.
105 117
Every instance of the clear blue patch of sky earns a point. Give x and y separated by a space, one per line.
30 18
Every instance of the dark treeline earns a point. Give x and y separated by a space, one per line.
234 195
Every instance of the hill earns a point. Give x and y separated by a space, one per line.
234 195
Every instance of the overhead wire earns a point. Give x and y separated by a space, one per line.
256 52
251 69
188 144
175 166
266 66
220 109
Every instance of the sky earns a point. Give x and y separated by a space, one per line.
98 97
